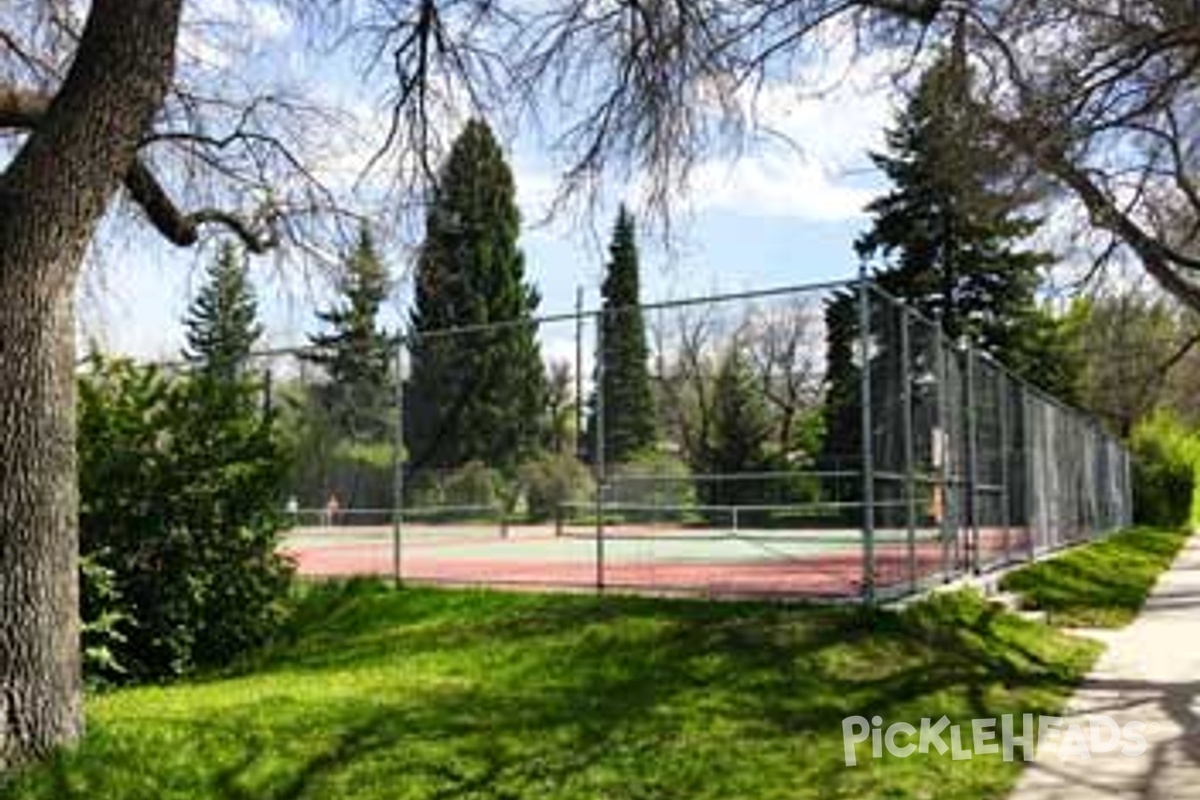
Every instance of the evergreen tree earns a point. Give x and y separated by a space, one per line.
629 423
478 395
947 240
842 447
355 352
947 237
222 322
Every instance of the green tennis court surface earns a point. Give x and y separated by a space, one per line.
828 562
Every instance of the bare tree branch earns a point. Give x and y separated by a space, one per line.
24 109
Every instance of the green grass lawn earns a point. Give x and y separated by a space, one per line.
473 694
1099 585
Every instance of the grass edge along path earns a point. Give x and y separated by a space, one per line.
1101 584
428 693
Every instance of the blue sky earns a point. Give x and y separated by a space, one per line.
784 211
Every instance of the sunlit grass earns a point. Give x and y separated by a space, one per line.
472 694
1102 584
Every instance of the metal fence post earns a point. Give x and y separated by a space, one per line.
972 399
910 478
398 463
1037 456
941 448
1127 489
868 466
579 453
1004 407
601 476
268 392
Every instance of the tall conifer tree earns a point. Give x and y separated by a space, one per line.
949 236
478 395
949 240
629 421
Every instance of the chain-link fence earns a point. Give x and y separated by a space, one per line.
745 444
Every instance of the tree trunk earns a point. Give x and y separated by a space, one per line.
52 195
39 631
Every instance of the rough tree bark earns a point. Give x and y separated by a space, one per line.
52 195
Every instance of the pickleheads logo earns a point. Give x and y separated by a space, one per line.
982 737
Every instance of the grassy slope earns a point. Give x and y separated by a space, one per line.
1098 585
433 694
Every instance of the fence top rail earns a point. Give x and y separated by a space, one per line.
652 477
657 305
572 315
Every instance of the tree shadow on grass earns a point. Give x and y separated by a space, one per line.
535 696
1104 583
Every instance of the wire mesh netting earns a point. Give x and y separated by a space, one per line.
748 444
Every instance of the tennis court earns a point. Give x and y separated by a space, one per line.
647 557
858 453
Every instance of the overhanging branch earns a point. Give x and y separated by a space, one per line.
22 109
183 229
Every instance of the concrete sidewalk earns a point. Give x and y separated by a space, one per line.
1150 673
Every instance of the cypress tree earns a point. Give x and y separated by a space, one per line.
354 350
222 326
479 395
629 422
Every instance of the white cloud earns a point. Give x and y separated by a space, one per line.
808 154
804 154
773 185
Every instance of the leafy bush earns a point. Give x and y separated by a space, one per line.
552 480
180 485
653 477
360 474
474 484
1166 459
104 616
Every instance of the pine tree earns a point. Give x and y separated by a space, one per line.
222 326
355 352
629 421
478 395
947 238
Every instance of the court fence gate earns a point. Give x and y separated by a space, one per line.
815 441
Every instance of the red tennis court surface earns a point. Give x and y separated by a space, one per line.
812 564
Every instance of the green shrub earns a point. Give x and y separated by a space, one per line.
474 484
181 491
104 615
652 478
552 480
360 473
423 490
1166 459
